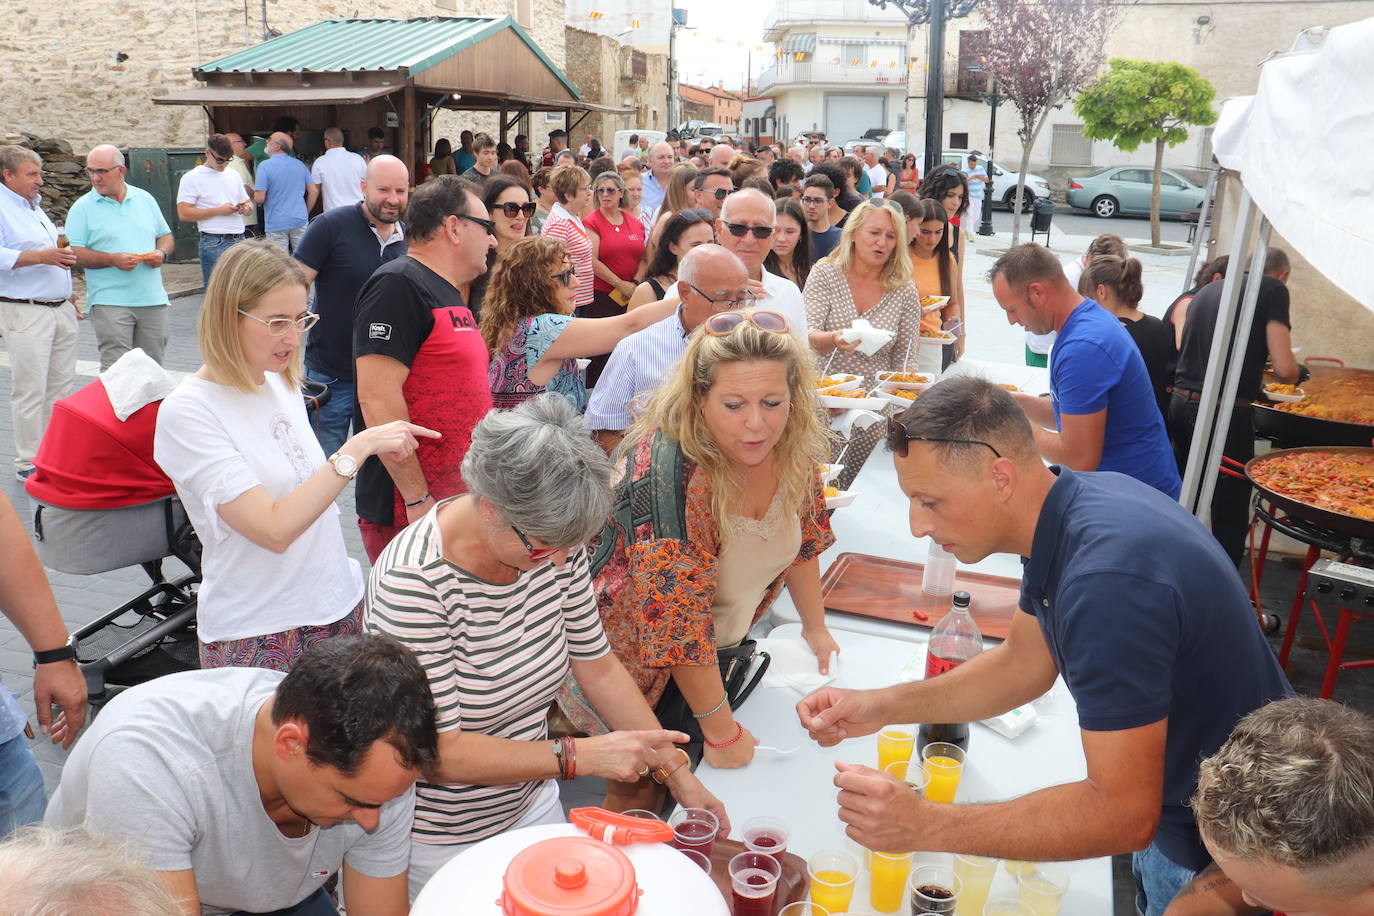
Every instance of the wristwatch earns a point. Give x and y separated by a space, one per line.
346 466
62 653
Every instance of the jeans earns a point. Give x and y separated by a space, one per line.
1158 879
22 796
287 240
317 904
332 422
211 247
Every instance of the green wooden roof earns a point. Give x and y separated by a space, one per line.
360 45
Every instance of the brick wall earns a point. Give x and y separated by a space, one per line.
602 70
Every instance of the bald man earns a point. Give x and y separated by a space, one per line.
287 192
338 172
338 252
745 227
721 155
661 161
122 240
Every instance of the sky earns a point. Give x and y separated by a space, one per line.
724 33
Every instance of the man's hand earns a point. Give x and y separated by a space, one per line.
243 208
830 715
55 257
881 811
61 683
124 261
228 209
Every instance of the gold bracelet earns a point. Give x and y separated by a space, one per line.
661 774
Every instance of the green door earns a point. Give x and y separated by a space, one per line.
158 171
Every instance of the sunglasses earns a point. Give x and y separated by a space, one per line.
280 327
609 189
511 210
739 230
718 193
221 160
725 323
898 439
537 554
566 277
488 226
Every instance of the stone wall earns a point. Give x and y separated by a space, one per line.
599 66
86 70
64 178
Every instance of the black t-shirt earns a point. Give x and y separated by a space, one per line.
848 200
1272 305
341 247
475 176
1155 341
822 243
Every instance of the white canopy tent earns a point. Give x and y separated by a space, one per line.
1302 145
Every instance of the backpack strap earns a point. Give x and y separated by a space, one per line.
658 497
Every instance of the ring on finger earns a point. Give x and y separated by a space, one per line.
644 772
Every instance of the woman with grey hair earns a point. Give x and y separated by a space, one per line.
491 592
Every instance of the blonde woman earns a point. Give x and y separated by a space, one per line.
736 434
235 440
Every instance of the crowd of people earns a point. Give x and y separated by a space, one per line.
566 564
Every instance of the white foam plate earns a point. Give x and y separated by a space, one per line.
893 398
1285 398
868 403
839 502
939 303
886 382
849 384
829 472
944 342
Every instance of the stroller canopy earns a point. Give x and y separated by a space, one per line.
89 459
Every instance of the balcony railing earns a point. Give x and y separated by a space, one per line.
791 71
858 12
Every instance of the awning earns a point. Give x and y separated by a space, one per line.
261 95
799 43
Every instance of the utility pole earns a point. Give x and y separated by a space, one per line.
933 13
677 20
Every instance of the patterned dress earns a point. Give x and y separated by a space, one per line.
509 369
656 597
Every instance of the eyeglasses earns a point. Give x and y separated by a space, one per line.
512 210
740 300
898 437
739 230
566 277
537 554
488 226
609 189
96 173
725 323
813 201
280 327
220 159
718 193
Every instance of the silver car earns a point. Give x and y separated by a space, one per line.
1125 189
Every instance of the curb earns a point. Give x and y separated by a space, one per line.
183 293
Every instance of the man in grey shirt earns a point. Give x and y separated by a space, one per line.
246 789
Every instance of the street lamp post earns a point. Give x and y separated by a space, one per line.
993 99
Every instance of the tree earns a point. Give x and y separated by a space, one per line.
1138 101
1040 53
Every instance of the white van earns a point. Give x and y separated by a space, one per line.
621 147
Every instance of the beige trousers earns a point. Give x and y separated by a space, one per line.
41 341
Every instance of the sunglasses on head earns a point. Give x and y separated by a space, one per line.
898 439
725 323
510 210
537 554
739 230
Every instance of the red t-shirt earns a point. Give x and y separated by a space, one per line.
408 312
622 247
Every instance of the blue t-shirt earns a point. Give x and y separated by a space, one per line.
1146 618
343 249
1096 365
131 227
976 189
282 179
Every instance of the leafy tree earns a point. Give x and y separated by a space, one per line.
1040 53
1139 101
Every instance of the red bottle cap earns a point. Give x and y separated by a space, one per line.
570 876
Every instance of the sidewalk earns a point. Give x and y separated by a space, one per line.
178 278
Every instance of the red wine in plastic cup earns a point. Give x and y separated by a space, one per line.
753 883
767 835
693 829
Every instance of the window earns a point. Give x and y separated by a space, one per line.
1068 146
958 141
1169 181
973 45
1140 176
854 55
523 12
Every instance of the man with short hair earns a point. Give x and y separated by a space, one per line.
814 157
246 789
856 187
340 250
1101 414
558 141
1270 342
38 312
745 228
977 189
484 160
710 188
338 173
877 173
722 154
241 164
215 200
786 177
710 279
522 149
418 356
376 143
287 192
817 198
656 180
1123 593
564 157
283 125
766 155
642 147
835 212
631 148
122 240
1286 808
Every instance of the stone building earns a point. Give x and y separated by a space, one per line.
609 73
711 103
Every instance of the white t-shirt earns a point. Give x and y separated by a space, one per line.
784 296
216 444
168 766
205 187
339 174
878 176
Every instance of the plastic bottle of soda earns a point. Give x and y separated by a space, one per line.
955 640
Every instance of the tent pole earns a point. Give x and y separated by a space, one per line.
1212 180
1204 427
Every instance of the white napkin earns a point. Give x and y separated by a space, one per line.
871 339
135 381
794 665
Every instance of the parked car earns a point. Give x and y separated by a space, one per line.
1003 180
1125 189
805 137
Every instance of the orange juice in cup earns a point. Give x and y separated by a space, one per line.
944 764
887 874
832 877
895 743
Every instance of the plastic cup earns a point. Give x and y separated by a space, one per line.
887 874
937 578
804 908
699 860
767 835
694 828
934 889
1043 890
832 875
975 874
1007 906
753 883
910 772
895 743
944 765
642 813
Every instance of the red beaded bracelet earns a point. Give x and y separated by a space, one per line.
739 733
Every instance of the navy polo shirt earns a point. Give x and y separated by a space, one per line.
1147 618
1096 365
344 250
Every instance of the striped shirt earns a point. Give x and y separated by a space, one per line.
495 656
639 364
569 230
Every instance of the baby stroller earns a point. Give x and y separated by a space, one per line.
104 504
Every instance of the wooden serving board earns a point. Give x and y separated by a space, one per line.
868 586
794 884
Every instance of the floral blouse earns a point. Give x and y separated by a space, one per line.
656 597
510 363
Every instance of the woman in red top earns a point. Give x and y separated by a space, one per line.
572 187
909 178
617 255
